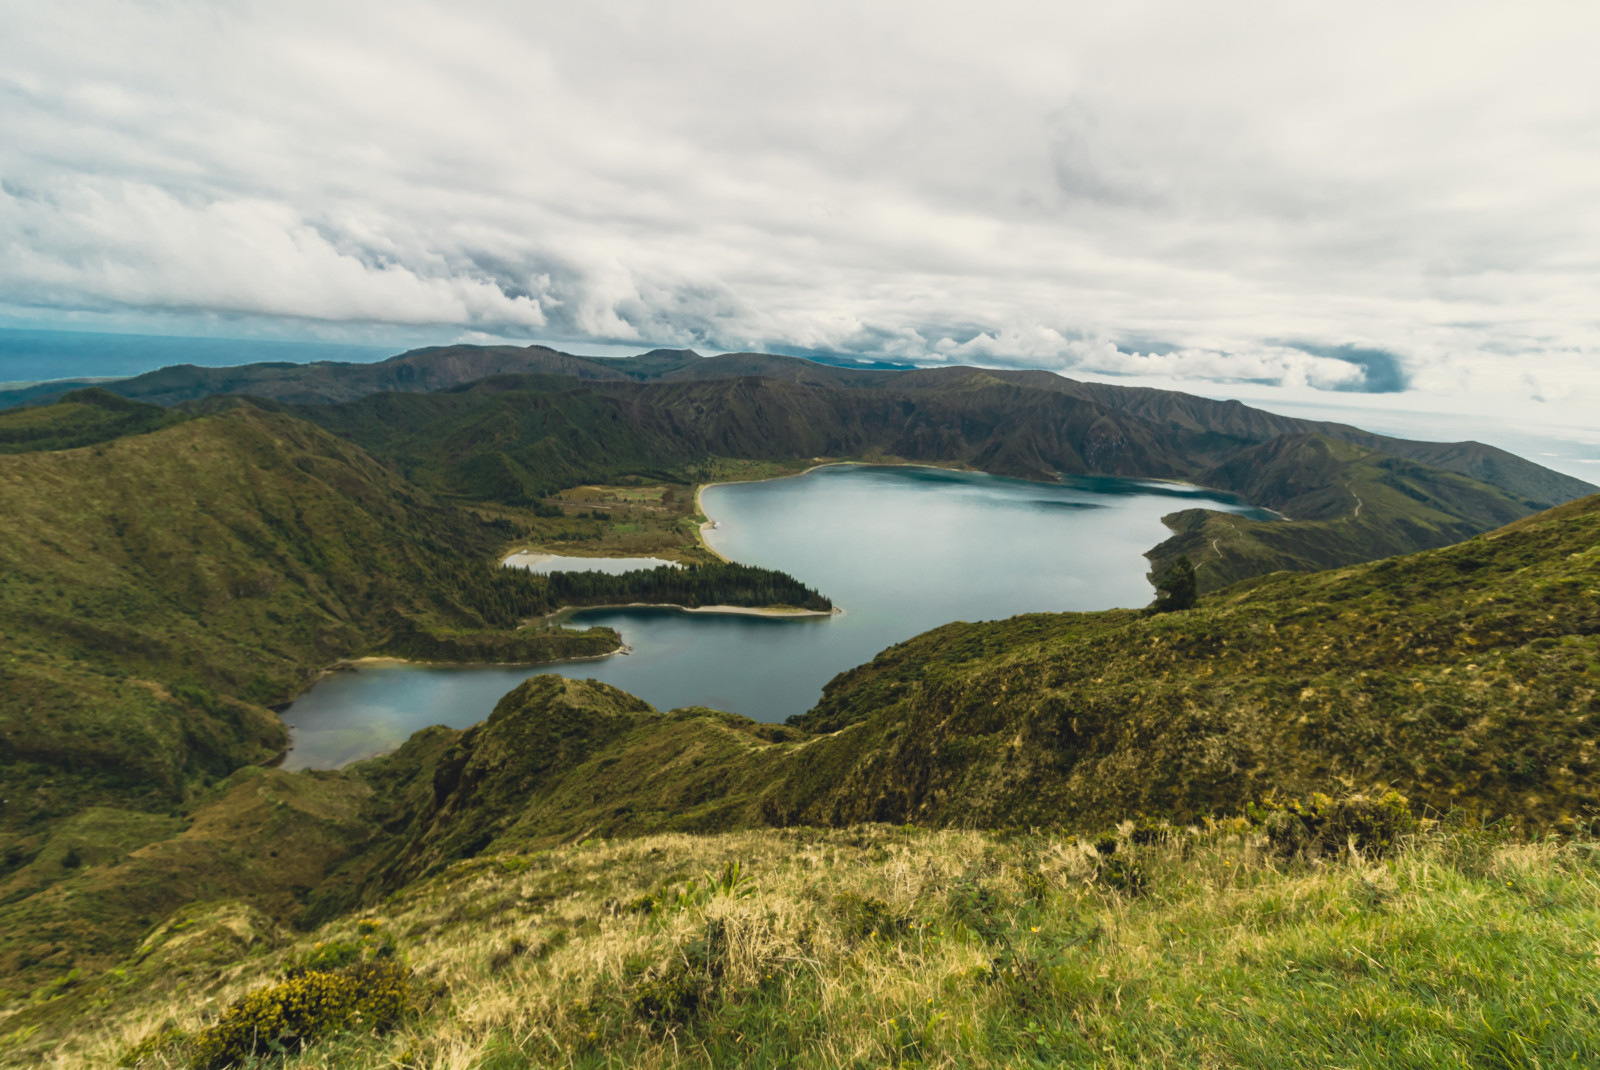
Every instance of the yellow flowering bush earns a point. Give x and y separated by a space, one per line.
292 1014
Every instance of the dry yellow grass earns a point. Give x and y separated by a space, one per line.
881 946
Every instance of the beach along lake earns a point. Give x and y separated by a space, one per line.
900 550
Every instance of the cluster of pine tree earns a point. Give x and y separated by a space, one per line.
503 597
698 585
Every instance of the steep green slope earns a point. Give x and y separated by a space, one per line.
510 439
1462 675
1202 431
105 877
1343 505
80 418
553 431
513 438
1224 425
162 589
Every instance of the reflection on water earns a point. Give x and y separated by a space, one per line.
900 550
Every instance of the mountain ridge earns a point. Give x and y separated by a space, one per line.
444 367
517 438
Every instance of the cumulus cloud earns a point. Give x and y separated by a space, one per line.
1404 193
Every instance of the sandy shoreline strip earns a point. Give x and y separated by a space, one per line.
743 611
381 662
707 524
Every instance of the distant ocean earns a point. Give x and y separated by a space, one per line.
31 356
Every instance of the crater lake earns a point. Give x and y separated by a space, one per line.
899 549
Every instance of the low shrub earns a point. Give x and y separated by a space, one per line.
733 882
1147 831
157 1049
331 955
676 993
984 911
292 1014
1125 875
1323 827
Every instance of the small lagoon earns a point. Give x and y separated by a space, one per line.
898 549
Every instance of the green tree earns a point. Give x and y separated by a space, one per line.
1176 587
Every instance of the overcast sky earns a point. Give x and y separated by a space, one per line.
1390 198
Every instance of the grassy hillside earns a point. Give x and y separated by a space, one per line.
162 590
1468 677
80 418
1465 676
104 877
879 946
1343 503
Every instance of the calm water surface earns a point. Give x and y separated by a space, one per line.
900 550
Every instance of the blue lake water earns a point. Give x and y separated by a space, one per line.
898 549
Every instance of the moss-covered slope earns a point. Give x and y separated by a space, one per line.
1466 675
80 418
1342 504
162 589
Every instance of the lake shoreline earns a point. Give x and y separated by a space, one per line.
386 661
909 545
383 661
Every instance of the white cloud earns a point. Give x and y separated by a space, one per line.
1160 190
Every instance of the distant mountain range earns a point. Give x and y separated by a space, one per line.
508 424
1203 424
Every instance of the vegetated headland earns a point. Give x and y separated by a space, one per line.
1088 838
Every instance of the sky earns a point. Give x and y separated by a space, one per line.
1387 208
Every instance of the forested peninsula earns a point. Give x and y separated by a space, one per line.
715 584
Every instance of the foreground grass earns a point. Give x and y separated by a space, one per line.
880 946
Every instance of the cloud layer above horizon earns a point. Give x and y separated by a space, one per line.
1352 197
